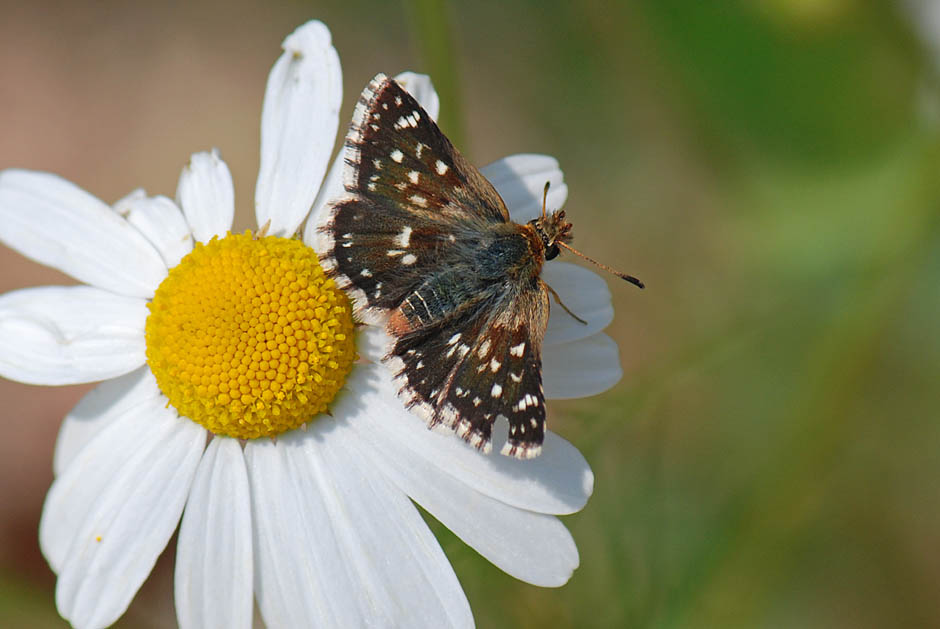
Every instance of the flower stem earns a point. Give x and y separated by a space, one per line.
431 31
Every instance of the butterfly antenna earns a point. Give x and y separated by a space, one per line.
622 276
545 197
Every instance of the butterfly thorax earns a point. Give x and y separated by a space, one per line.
514 253
551 229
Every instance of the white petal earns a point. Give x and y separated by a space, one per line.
580 368
372 343
110 514
585 293
301 579
206 194
100 406
520 180
331 190
298 127
214 569
56 223
70 334
403 575
161 223
532 547
559 481
421 87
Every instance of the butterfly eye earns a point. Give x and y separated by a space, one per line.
552 252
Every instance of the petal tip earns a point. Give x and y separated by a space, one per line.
308 36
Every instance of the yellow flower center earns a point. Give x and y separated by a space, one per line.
248 337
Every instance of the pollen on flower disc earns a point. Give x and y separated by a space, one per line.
248 337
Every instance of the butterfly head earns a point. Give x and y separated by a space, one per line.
553 230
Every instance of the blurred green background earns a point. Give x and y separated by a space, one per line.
770 168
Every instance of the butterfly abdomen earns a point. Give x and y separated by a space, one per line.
436 298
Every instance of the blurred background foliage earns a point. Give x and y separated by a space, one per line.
771 169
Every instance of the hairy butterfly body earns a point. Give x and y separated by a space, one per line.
426 246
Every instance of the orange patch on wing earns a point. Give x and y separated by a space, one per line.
398 324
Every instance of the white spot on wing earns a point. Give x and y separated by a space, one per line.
495 365
404 237
397 156
417 199
414 176
409 259
496 391
517 350
391 253
441 167
365 273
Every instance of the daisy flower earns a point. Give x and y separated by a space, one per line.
232 403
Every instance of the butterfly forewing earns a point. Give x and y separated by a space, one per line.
414 205
425 245
396 155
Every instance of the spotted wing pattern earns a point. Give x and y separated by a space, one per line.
467 370
424 245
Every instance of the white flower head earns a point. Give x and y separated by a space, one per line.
317 524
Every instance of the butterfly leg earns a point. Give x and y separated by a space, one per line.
561 303
264 230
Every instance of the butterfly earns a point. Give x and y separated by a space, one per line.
425 246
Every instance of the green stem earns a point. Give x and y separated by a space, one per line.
431 30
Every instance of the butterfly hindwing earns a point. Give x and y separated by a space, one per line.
505 375
482 363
